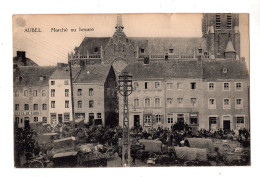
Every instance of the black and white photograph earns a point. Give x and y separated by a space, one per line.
131 90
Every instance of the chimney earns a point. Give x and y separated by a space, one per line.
20 54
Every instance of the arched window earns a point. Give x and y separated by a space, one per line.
26 93
91 92
157 102
147 102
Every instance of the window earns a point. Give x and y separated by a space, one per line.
91 104
158 118
238 86
157 102
52 104
91 92
136 85
147 102
229 21
226 86
26 106
16 107
142 50
194 119
157 85
212 103
170 50
16 93
170 119
147 119
240 120
179 86
66 117
35 107
66 92
239 103
43 93
79 92
66 104
21 120
180 117
193 101
44 120
169 101
212 120
35 93
180 102
52 82
66 82
44 106
25 93
169 86
218 22
226 103
52 92
193 85
99 115
35 119
211 86
79 104
136 102
146 85
200 50
17 120
225 70
53 118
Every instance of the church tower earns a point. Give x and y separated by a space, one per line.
221 31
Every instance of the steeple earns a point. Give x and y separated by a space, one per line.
119 26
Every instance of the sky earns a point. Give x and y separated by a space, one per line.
48 47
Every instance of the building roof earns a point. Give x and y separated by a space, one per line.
64 72
89 44
30 75
236 69
93 74
19 61
161 45
165 70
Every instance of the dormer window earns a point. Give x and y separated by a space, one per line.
170 50
142 50
42 78
225 70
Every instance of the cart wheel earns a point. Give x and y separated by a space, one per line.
110 152
36 164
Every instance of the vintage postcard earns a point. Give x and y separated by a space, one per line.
131 90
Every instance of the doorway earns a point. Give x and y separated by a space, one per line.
60 118
26 122
136 121
226 125
91 118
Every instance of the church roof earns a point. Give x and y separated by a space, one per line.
230 47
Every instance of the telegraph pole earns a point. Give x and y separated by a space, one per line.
72 98
125 89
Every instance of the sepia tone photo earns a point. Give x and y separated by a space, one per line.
131 90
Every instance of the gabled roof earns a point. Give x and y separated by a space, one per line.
93 74
161 45
236 69
30 75
64 73
19 61
165 70
90 43
230 47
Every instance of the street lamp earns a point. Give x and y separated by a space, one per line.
125 88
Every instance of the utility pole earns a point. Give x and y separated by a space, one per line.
72 98
125 89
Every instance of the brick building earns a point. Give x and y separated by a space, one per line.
31 94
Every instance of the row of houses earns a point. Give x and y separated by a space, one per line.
203 94
43 94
